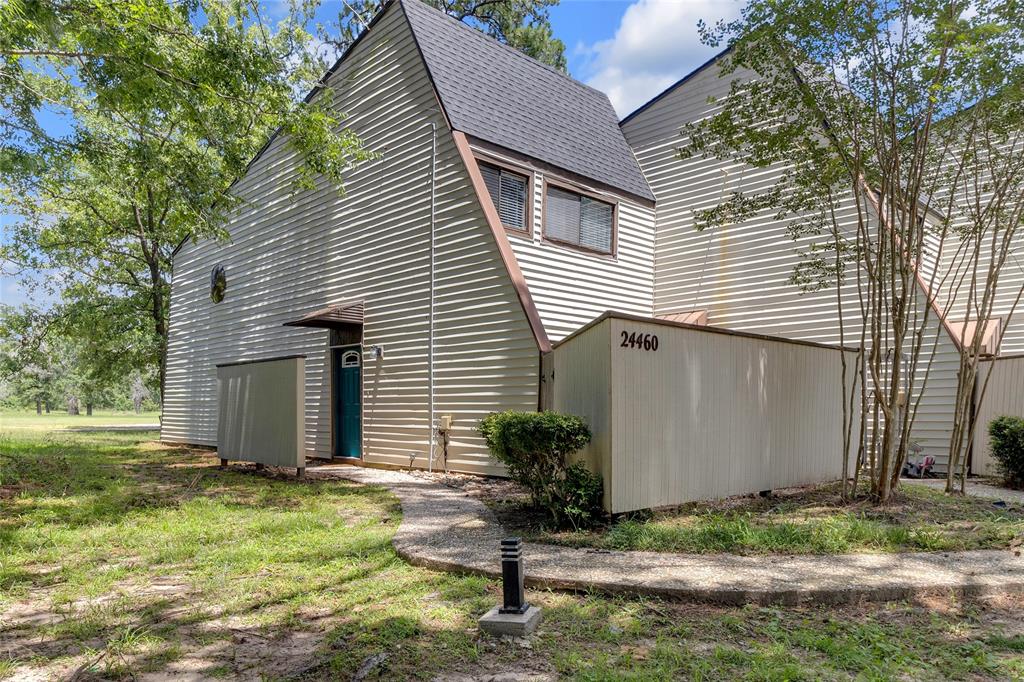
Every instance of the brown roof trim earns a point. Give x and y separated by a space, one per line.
566 176
612 314
876 204
501 240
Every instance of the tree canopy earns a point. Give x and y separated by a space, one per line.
523 24
123 128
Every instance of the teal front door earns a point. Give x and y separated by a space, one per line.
348 393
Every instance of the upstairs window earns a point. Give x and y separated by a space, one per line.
579 220
509 192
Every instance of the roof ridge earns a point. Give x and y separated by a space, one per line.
505 46
643 107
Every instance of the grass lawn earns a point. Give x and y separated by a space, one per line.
121 557
28 420
797 521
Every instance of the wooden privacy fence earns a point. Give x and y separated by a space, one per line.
680 412
1003 395
260 411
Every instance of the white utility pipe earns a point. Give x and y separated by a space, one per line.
430 315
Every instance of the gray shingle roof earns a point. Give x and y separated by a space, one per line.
498 94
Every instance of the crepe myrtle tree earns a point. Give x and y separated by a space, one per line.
981 205
123 127
905 115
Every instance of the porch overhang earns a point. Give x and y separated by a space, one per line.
347 316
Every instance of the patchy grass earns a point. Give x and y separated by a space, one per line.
120 557
28 420
797 521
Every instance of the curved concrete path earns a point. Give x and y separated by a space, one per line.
443 528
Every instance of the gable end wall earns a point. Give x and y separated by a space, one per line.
292 253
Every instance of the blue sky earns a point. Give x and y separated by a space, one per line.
634 50
631 50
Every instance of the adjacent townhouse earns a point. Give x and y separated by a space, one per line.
738 276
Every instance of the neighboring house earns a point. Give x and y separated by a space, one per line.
506 209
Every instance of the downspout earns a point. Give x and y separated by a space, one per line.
430 314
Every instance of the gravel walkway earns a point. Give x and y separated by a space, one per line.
443 528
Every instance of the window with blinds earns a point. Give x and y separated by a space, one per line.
509 193
578 219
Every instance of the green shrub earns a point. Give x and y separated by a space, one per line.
1006 437
534 447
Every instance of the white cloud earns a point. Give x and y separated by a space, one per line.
655 45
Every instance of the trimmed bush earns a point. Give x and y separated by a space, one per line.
534 447
1006 438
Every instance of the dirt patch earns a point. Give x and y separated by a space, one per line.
152 631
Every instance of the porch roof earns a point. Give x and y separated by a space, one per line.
337 316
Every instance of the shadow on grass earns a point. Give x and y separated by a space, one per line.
233 573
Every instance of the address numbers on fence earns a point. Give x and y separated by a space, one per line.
639 341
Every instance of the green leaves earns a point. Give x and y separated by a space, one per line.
124 127
522 24
535 447
1006 436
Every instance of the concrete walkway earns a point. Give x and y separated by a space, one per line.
443 528
974 488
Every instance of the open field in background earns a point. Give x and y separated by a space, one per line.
23 420
121 557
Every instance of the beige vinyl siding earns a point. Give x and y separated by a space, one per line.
571 287
741 273
954 271
294 252
1004 395
706 415
579 374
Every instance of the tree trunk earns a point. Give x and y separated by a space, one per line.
47 407
39 406
88 409
158 312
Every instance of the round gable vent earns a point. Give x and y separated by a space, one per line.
218 283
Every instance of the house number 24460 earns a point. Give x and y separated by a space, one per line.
639 340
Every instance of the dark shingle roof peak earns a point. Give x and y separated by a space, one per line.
498 94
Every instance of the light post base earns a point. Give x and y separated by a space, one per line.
514 624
